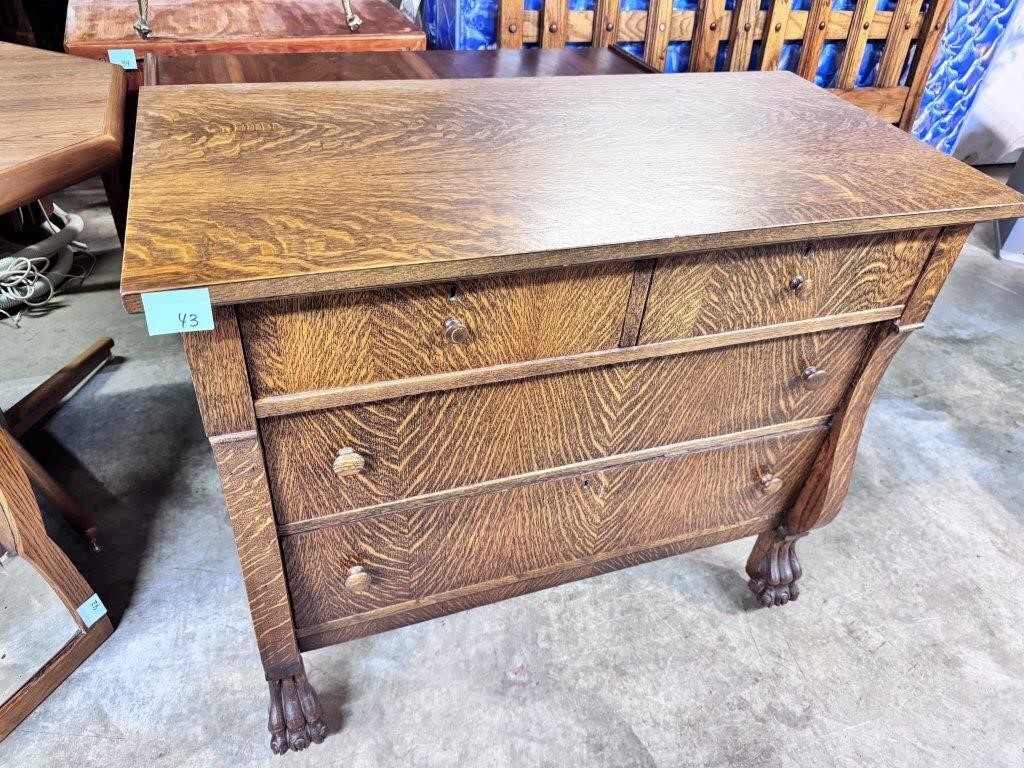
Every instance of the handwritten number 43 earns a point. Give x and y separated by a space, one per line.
188 319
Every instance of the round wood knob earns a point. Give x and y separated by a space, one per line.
798 284
770 484
348 462
455 332
358 580
814 378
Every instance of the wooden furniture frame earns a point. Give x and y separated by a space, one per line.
22 534
450 397
61 124
195 27
907 31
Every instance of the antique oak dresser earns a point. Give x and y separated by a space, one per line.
476 338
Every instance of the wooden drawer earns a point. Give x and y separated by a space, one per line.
701 294
333 340
453 548
442 440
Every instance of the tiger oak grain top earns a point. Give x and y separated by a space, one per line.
268 190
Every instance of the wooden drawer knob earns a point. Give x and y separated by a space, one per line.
455 332
348 462
770 484
798 284
358 580
814 378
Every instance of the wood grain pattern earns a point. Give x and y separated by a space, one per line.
742 31
233 215
856 41
554 23
884 103
450 439
388 65
24 522
388 618
341 339
606 23
633 25
219 375
776 26
551 473
635 307
947 248
61 122
897 43
242 475
189 27
823 494
932 24
300 402
657 34
479 543
814 38
510 21
703 294
24 535
707 31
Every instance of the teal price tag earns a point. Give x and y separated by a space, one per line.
92 610
178 311
124 57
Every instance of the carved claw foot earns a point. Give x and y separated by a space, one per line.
295 720
774 568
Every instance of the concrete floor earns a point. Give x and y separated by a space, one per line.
905 649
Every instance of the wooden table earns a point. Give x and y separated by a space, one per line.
387 65
475 338
60 124
190 27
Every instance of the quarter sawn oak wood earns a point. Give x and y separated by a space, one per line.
508 359
217 202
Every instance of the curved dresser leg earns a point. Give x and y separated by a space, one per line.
295 719
773 567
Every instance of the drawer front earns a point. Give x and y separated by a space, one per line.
706 293
484 541
334 340
443 440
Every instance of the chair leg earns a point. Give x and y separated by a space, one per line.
117 199
75 514
35 406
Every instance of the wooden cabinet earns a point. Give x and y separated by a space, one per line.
491 356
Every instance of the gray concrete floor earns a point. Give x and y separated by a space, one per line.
905 649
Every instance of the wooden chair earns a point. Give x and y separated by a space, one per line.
907 32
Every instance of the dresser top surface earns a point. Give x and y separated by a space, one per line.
257 191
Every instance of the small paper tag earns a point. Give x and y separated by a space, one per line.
92 610
124 57
178 311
